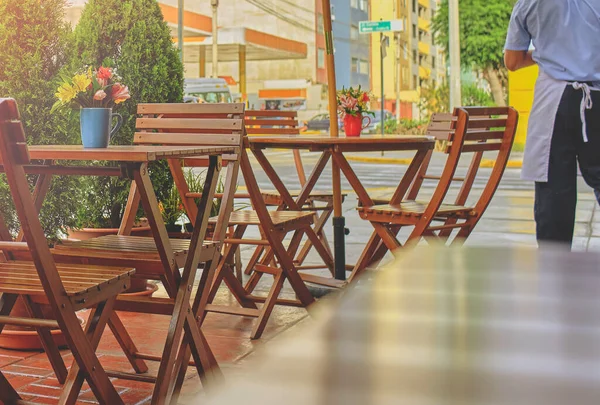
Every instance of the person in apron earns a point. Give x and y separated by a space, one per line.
563 38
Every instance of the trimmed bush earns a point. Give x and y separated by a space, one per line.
133 37
34 46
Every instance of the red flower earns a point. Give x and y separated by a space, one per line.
104 73
365 98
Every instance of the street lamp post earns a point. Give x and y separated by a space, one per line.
215 40
454 35
180 28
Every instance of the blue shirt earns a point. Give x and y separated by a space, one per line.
565 35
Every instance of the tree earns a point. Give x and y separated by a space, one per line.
438 99
133 36
34 46
483 25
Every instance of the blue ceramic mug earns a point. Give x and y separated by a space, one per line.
95 126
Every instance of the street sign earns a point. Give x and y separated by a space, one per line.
367 27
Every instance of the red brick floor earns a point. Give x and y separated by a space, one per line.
229 337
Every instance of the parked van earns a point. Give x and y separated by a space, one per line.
206 90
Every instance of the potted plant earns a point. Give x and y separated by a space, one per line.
195 182
171 209
353 107
94 93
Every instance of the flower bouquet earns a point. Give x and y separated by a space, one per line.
95 93
353 107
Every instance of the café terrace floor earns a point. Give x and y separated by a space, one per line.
509 221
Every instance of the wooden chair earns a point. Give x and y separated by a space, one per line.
173 124
67 288
470 130
259 122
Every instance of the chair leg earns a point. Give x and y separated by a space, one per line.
50 347
181 364
94 329
8 395
268 306
127 345
7 302
319 226
254 259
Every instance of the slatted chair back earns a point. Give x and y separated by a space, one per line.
14 156
469 130
192 124
272 122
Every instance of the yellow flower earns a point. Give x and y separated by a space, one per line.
66 92
82 82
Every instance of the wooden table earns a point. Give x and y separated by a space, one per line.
335 148
132 162
467 326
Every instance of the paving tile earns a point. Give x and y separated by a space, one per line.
19 381
16 369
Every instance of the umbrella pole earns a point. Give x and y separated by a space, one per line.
339 222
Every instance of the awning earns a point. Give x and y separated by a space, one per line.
195 25
258 46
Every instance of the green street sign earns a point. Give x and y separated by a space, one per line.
367 27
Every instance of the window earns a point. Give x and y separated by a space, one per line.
415 82
354 32
354 3
405 77
320 24
321 58
414 5
363 5
405 50
414 30
364 67
414 58
433 62
354 66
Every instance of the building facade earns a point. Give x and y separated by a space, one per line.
413 62
352 50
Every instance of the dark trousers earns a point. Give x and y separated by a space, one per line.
556 200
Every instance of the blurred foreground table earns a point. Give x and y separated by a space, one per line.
443 326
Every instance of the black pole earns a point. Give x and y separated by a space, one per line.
382 89
339 247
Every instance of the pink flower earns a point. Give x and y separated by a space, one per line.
104 73
119 93
102 82
100 95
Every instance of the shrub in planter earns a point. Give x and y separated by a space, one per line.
132 36
34 46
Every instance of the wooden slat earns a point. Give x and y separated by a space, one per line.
189 123
131 377
487 123
483 135
279 218
4 245
222 309
270 113
189 139
478 111
9 110
185 108
481 147
29 322
275 122
272 131
439 126
15 132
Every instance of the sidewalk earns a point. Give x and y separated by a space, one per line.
405 158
